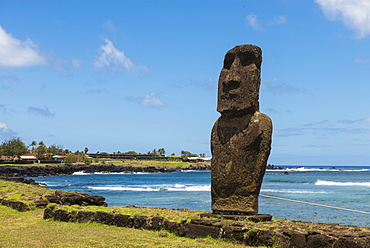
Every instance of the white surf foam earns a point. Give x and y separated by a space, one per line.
176 187
317 169
291 191
80 173
330 183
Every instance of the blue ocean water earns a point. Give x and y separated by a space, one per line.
344 187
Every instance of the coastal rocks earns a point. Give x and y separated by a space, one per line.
17 172
17 205
241 137
69 198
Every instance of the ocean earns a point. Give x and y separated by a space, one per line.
345 187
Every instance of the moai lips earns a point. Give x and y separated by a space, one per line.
241 137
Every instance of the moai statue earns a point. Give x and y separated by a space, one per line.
241 137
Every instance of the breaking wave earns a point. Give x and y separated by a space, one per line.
291 191
330 183
176 187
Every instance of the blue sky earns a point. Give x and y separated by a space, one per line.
139 75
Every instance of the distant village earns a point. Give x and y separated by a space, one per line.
15 151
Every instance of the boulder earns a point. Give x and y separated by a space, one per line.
140 222
17 205
68 198
85 216
104 218
123 220
156 223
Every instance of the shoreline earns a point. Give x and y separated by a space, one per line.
275 232
12 172
279 233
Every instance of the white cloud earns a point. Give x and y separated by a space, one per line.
76 63
276 87
362 120
40 111
114 59
355 14
278 20
253 22
16 53
5 131
108 25
152 99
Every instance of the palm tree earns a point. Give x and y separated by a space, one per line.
33 144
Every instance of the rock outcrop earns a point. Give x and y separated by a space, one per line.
75 198
35 171
241 137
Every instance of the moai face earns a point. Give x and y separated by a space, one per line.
239 82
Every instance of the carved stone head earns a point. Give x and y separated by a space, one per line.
239 82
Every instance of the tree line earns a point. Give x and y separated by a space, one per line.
15 147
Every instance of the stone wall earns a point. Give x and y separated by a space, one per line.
242 231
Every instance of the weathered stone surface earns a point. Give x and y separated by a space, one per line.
233 233
61 215
200 231
68 198
267 238
297 239
156 223
320 241
41 203
173 227
249 217
123 220
85 216
241 137
104 218
18 205
140 222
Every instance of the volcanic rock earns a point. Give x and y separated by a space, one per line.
241 137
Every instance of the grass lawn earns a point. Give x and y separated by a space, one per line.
29 229
129 162
148 163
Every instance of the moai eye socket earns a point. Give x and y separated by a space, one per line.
246 58
228 61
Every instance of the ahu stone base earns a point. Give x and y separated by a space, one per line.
258 230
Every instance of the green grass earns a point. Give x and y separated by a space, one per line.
25 193
170 214
28 229
149 163
129 162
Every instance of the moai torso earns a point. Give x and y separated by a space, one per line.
241 137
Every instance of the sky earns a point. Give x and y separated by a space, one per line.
141 75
